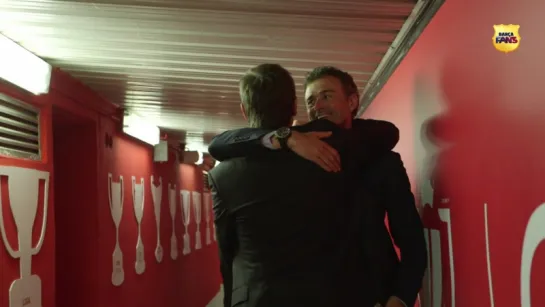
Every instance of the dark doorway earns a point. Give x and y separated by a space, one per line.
75 186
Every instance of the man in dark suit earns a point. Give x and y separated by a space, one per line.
332 94
281 219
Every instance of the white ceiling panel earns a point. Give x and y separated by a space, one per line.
178 62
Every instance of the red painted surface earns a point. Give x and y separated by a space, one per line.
472 118
43 263
75 211
191 280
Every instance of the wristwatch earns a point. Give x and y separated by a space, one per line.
282 135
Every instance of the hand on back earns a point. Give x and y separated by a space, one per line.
310 146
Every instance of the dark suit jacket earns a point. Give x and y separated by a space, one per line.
385 191
279 220
382 188
246 142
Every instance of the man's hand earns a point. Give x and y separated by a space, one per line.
297 123
309 146
395 302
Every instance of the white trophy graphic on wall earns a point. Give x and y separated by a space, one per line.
186 217
172 205
23 190
115 196
214 231
198 207
207 217
157 195
138 203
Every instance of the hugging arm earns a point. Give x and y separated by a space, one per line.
305 141
238 143
377 136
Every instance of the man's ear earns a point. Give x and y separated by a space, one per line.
243 111
353 102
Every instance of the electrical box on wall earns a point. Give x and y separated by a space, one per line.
160 151
191 157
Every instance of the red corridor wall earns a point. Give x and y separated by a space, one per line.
191 280
472 131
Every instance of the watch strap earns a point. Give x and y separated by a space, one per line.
284 142
282 135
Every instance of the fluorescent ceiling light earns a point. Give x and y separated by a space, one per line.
23 68
198 147
139 128
201 160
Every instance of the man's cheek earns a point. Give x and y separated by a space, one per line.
311 114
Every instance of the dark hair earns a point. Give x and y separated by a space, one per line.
268 95
349 86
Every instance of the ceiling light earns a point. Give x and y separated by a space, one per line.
139 128
23 68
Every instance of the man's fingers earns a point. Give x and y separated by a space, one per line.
328 160
332 156
312 148
319 134
322 164
329 165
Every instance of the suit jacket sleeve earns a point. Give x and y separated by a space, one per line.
247 142
226 237
406 229
380 136
237 143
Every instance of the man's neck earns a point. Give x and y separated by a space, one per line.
347 124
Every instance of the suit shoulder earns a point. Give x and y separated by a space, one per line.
226 165
368 122
385 133
393 155
390 156
392 160
317 125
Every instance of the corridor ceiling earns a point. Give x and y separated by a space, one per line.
178 62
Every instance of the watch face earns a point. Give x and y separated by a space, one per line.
283 132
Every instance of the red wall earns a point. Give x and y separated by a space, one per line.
471 118
75 209
43 263
191 280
